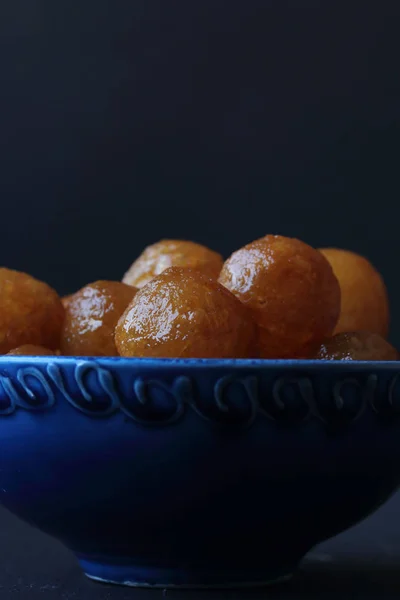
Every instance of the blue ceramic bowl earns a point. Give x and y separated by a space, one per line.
196 472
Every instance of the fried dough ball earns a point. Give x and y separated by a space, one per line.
365 304
91 316
184 313
172 253
31 312
30 350
66 300
360 345
291 290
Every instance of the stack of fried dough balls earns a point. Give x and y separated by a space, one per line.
277 297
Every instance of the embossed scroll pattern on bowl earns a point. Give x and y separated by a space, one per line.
95 391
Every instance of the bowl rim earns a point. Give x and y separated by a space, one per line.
205 363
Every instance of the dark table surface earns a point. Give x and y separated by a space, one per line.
362 563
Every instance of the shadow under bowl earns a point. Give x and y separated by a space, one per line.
196 473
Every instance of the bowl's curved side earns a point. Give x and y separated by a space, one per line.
184 471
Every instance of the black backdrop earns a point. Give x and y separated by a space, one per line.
122 122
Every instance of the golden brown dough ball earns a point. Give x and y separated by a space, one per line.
291 291
66 300
359 345
30 350
91 316
184 313
31 312
172 253
365 305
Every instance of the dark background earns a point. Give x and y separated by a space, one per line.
122 122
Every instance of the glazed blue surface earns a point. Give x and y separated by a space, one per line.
196 472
